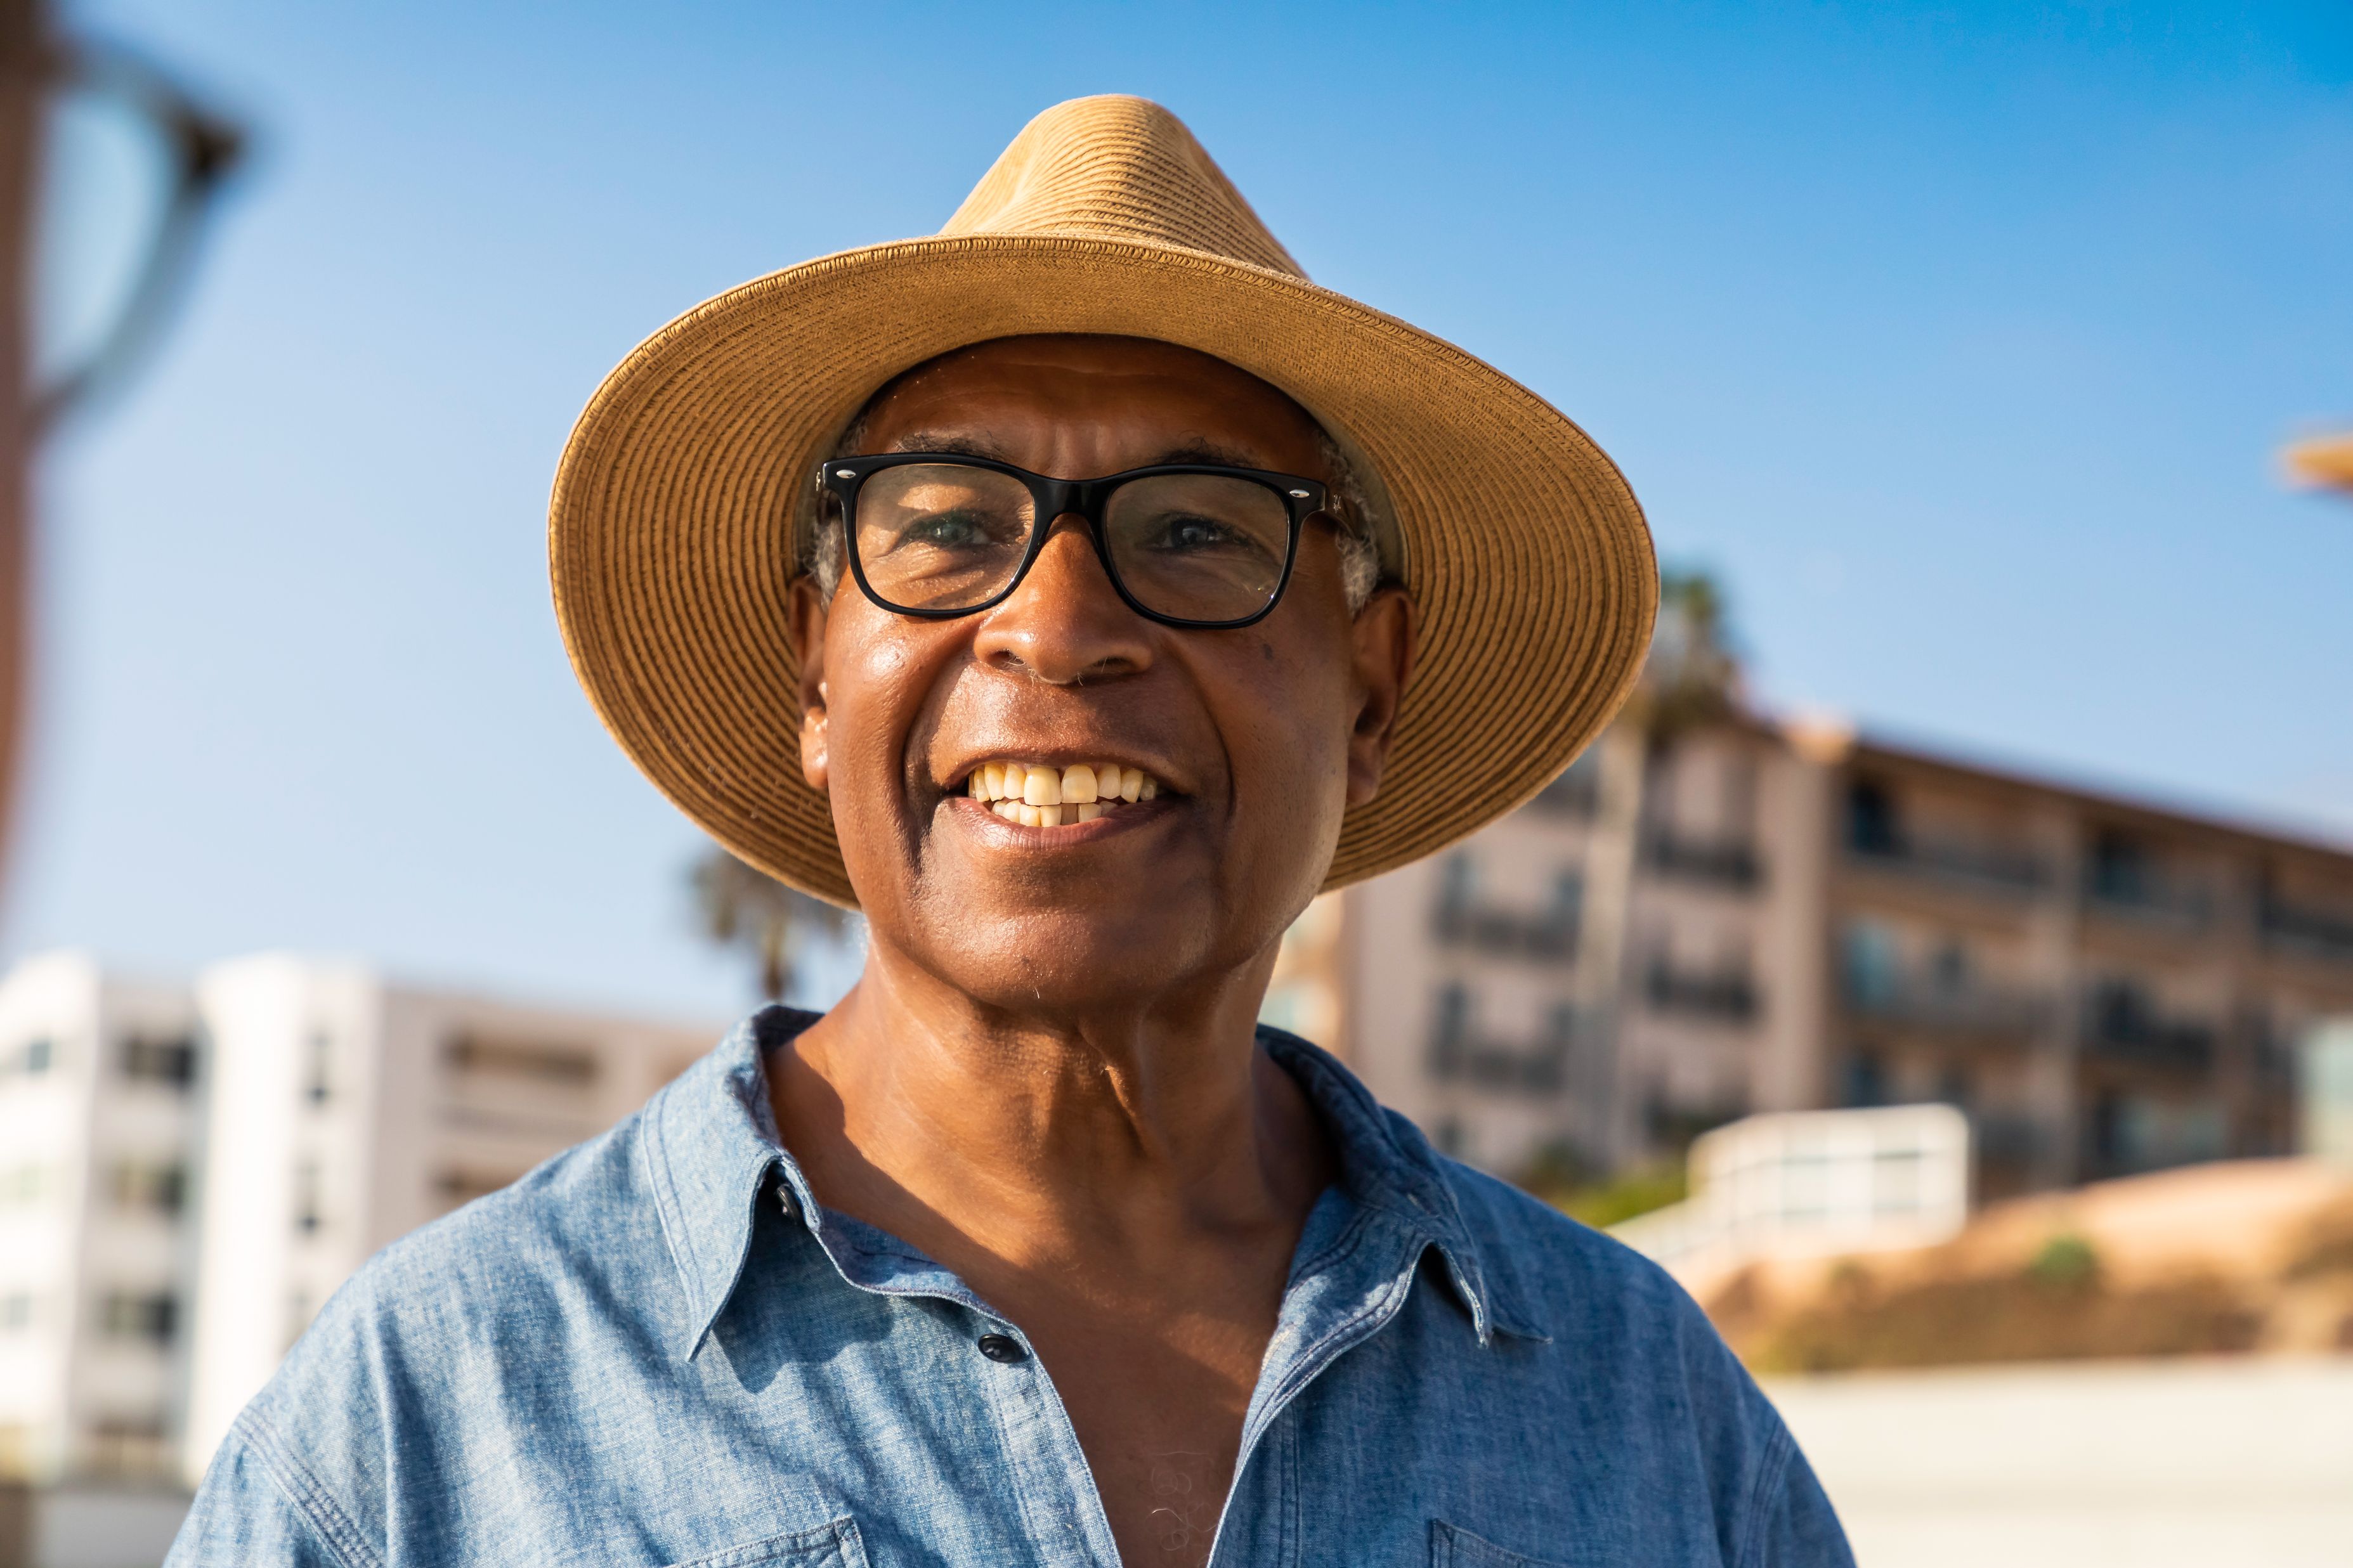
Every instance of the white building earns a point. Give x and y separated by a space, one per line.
95 1124
187 1173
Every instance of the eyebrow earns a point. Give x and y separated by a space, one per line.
1191 450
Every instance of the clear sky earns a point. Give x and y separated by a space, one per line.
1958 340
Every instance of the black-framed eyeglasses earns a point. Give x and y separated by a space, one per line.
936 535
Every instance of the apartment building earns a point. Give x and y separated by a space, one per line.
188 1171
97 1134
1703 921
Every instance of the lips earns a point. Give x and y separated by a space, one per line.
1037 795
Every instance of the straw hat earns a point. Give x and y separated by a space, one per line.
679 509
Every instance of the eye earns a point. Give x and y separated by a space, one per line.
1191 533
960 529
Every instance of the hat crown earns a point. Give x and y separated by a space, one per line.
1118 167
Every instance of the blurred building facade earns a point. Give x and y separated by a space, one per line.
98 1131
188 1171
1708 919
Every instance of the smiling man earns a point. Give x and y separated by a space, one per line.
1078 592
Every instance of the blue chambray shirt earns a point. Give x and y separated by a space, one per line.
657 1349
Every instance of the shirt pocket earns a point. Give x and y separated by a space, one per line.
1452 1547
833 1545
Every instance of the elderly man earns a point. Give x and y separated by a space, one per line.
1078 592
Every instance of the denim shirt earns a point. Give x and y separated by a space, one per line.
658 1349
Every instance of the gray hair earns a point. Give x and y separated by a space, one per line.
1360 553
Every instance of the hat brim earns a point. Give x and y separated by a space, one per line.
672 548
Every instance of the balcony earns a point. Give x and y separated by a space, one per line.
1967 1011
1726 996
1576 793
1726 863
2121 1027
1971 867
2298 929
1459 1053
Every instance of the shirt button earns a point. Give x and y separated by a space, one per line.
1001 1347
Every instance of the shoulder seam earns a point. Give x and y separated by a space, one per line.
1761 1493
313 1502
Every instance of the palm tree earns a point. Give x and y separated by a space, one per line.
741 907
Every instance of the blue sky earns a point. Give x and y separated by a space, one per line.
1957 340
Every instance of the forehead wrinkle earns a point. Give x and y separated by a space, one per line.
1187 449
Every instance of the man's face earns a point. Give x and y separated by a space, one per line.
1257 739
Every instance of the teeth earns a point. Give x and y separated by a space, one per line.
1041 796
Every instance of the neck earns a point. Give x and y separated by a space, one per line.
1040 1138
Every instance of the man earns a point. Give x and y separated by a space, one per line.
1145 590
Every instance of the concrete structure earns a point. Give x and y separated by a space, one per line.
1814 1184
1729 917
188 1171
97 1125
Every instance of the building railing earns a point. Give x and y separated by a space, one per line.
2322 933
1459 1053
1969 1010
2015 872
1729 863
2141 1039
1549 937
1726 996
1576 792
2185 908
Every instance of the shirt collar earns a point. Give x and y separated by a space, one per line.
1386 1165
711 1146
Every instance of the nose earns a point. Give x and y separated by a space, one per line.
1065 623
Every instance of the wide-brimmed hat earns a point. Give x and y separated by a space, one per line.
681 509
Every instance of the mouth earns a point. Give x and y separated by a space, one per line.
1038 794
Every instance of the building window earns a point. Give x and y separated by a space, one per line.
126 1315
169 1060
157 1189
551 1064
1867 955
307 1219
22 1183
2119 869
130 1446
320 1061
1863 1078
31 1059
1872 827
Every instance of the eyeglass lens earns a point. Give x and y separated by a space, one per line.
1193 547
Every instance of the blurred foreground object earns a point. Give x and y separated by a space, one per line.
108 171
2327 460
743 908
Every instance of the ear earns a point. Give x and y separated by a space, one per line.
805 620
1382 640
